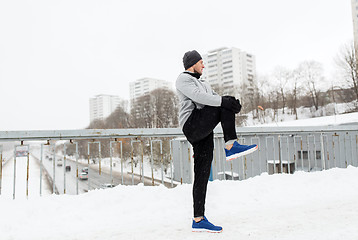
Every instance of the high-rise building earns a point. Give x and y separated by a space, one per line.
230 71
355 23
143 86
101 106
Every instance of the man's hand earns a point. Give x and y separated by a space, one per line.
230 103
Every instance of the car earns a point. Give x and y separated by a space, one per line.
83 176
107 185
59 162
68 168
85 169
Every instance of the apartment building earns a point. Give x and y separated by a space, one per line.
144 86
101 106
230 71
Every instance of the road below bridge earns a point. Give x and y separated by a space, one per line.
67 181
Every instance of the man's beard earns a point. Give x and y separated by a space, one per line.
194 74
197 72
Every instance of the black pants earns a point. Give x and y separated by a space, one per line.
198 129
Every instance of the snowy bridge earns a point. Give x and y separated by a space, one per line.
163 156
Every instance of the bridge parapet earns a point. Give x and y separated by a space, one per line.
163 156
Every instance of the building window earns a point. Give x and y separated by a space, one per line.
227 77
226 56
229 51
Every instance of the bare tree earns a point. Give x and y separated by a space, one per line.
261 95
141 112
118 119
219 89
311 72
158 109
282 76
165 104
296 88
261 90
347 62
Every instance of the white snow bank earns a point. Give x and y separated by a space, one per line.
319 205
330 114
347 118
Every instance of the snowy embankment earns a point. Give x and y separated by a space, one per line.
319 205
331 114
348 118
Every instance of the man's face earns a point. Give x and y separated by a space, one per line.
198 67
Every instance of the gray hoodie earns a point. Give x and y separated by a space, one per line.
194 91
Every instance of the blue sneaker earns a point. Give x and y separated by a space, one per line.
205 226
238 150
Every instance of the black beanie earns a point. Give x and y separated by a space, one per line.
190 58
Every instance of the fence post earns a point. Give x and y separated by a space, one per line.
14 188
64 168
54 168
171 162
27 172
41 162
323 162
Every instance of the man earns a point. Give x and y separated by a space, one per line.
201 109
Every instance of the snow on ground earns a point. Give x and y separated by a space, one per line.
319 205
127 168
347 118
332 113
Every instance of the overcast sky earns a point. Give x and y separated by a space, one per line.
55 55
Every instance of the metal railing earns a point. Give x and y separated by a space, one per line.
281 150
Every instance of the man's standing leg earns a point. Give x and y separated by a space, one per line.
203 155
